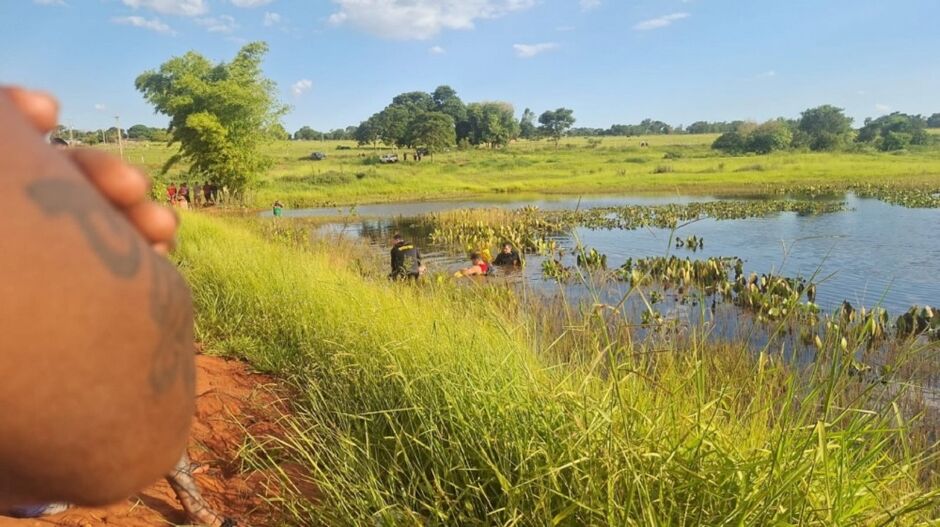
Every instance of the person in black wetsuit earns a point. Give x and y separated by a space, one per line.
508 257
406 259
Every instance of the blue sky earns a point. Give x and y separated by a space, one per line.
613 61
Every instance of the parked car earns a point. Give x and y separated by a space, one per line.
318 156
389 158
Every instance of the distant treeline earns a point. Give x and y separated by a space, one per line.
652 127
138 132
440 119
827 128
404 123
493 124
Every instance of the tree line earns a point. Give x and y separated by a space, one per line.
827 128
440 119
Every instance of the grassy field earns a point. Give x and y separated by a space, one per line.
440 404
671 164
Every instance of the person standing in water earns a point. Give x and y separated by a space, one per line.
508 257
406 259
277 208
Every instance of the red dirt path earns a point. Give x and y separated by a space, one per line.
230 397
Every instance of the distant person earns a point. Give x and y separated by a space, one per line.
277 209
406 259
207 193
171 193
478 266
508 257
184 192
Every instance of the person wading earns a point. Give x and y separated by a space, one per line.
406 259
508 257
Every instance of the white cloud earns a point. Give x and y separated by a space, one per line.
300 87
50 2
153 24
527 51
100 107
587 5
171 7
861 92
250 3
657 23
767 74
272 19
437 50
882 108
419 19
218 24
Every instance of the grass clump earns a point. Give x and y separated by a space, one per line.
435 404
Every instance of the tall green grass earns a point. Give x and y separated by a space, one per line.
439 404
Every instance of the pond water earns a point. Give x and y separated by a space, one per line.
872 254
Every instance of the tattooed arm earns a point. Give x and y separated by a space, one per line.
96 358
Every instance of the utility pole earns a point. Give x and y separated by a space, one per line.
117 119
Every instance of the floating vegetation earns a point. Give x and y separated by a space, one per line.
867 326
773 297
769 297
913 198
529 227
592 260
709 276
919 321
555 270
692 243
910 197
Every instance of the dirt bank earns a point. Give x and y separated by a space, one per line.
230 397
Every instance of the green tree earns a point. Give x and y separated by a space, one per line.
933 121
219 113
277 132
393 124
894 132
434 131
527 128
305 133
490 123
446 101
732 142
824 128
555 123
769 137
140 132
112 134
368 132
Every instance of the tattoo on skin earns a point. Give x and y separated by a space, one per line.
57 197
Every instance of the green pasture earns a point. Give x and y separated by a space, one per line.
683 164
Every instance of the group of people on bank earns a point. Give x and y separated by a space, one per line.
184 196
406 260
